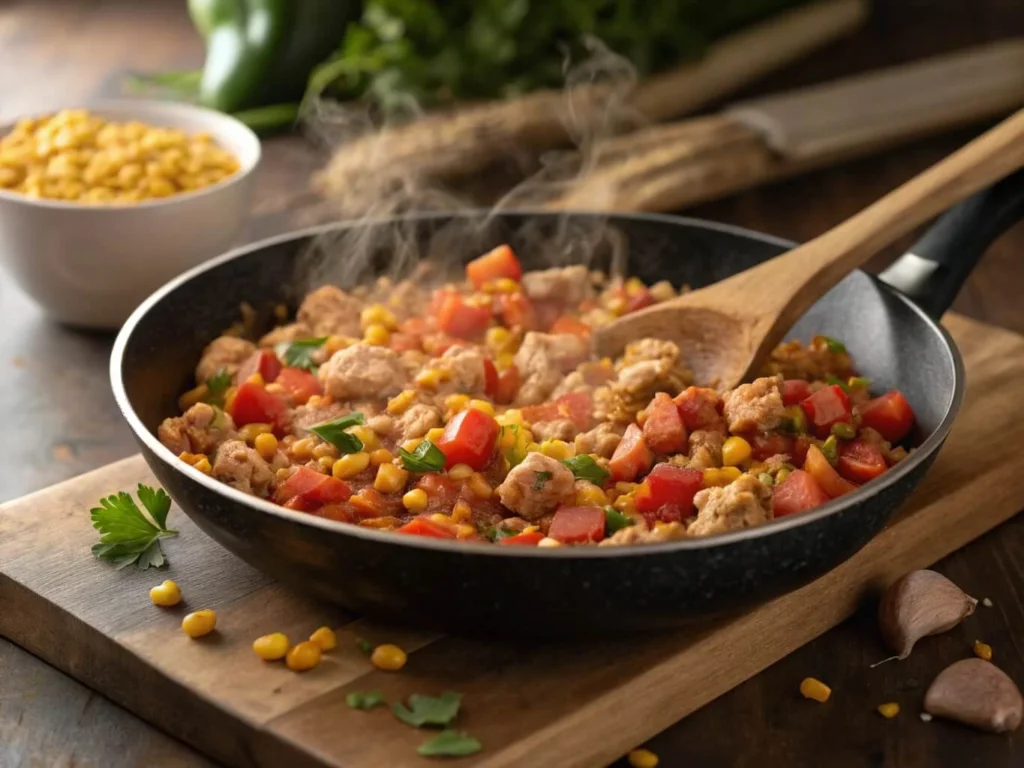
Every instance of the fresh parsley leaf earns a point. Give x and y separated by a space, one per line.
615 520
834 345
368 700
585 468
365 646
218 385
426 457
334 432
427 710
540 479
517 452
126 535
299 354
497 534
450 744
838 382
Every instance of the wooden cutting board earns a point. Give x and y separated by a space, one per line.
530 705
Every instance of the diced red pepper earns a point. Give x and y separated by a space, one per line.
517 311
343 513
457 318
577 525
800 447
699 406
632 457
501 262
797 493
299 384
490 379
763 447
667 513
570 325
254 405
829 405
861 461
794 391
405 342
264 362
531 539
416 326
508 386
312 488
578 407
831 483
469 439
299 504
664 430
422 527
668 485
639 300
890 415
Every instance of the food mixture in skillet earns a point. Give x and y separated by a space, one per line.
474 412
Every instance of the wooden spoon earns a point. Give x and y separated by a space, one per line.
727 330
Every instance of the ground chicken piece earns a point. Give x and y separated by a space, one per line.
224 353
588 374
639 533
568 285
556 429
407 300
602 440
537 486
640 376
774 463
650 349
305 416
286 333
330 311
741 504
363 371
756 406
465 367
514 524
706 449
200 430
542 360
241 467
416 420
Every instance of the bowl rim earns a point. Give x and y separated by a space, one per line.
219 125
893 476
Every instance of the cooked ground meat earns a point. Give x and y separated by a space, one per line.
639 533
542 360
741 504
200 430
416 420
755 407
568 285
537 486
329 310
224 353
286 333
465 367
241 467
602 440
706 449
363 371
556 429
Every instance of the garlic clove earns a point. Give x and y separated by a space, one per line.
918 604
977 693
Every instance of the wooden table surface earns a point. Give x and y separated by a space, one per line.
61 419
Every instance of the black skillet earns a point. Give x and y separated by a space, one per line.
479 588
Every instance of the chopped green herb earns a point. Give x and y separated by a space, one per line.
540 480
427 710
844 430
299 354
365 646
426 457
517 452
838 382
126 535
497 534
834 345
796 420
334 432
450 744
585 468
830 449
368 700
217 385
615 521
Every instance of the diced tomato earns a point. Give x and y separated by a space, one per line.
313 488
831 483
699 407
668 485
490 379
264 362
405 342
578 407
828 406
254 405
343 513
763 447
437 300
469 439
800 446
517 311
639 300
415 326
570 325
632 457
299 384
501 262
797 493
890 415
299 504
457 318
543 412
794 391
435 484
422 527
523 539
436 344
861 461
577 525
667 513
664 430
508 386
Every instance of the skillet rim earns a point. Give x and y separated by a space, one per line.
930 445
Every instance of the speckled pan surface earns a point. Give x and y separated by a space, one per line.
482 588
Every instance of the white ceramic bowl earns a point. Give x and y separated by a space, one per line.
91 265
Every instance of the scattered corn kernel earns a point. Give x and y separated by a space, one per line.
367 436
429 378
497 338
257 379
547 542
460 472
378 315
435 434
623 487
325 449
325 638
390 478
511 416
982 650
662 291
336 344
504 361
326 463
456 403
199 623
482 405
271 647
303 657
275 389
889 710
440 518
781 475
557 449
461 511
720 477
415 500
203 465
266 445
388 657
479 486
377 335
641 416
735 451
165 595
814 689
350 465
401 402
616 305
589 495
250 432
410 445
505 285
464 530
303 449
193 396
381 456
642 758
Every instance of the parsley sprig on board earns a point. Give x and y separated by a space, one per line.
127 535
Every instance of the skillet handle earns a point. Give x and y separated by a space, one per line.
936 266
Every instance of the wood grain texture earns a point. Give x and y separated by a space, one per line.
559 701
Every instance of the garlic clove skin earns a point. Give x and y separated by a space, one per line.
977 693
918 604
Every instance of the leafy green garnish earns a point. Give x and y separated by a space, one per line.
834 345
450 744
517 452
615 520
585 468
426 457
365 646
299 354
126 535
495 533
831 449
217 385
427 710
838 382
333 432
368 700
540 480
